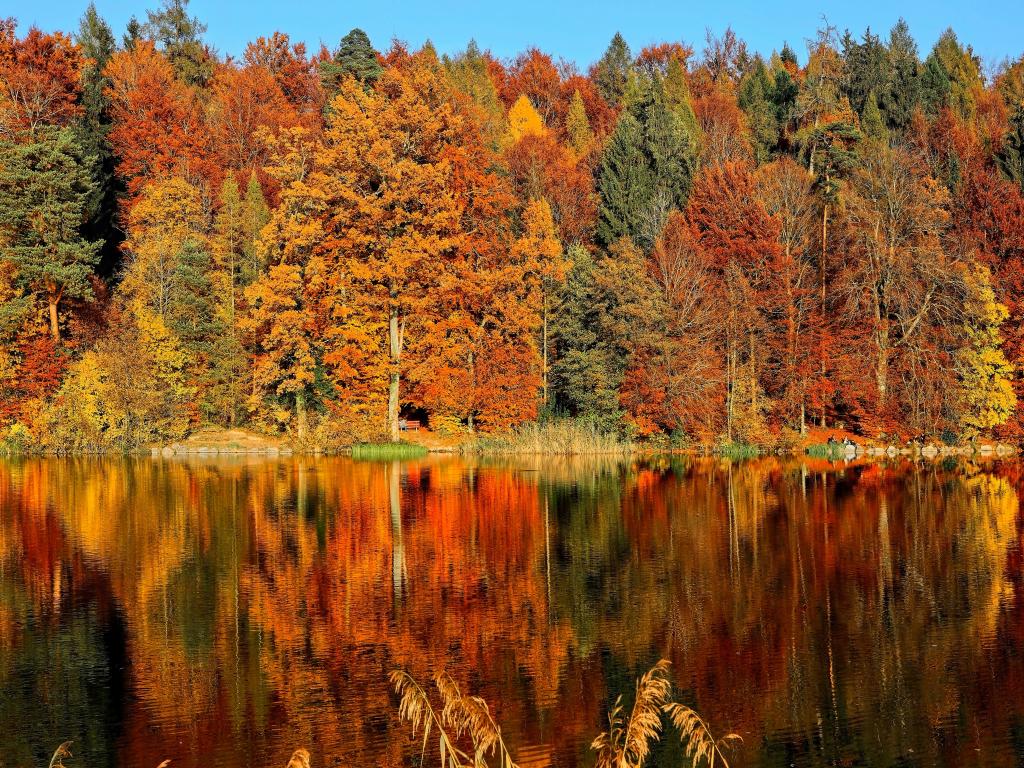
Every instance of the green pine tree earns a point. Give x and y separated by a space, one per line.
788 56
935 86
180 37
355 57
671 150
45 187
871 122
624 182
216 358
592 360
1010 158
191 311
648 166
784 94
755 99
612 70
902 92
867 68
255 215
98 44
132 34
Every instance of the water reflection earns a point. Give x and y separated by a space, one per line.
224 612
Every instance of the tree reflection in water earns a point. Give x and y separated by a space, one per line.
229 611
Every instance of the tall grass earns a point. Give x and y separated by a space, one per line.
388 451
556 436
737 451
827 451
466 734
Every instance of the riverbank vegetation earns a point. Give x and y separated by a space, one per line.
701 242
556 436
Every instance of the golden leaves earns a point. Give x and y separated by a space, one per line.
524 120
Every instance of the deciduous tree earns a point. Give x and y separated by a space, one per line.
158 124
39 79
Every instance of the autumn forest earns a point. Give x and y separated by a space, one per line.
690 242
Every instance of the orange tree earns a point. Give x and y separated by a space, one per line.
399 223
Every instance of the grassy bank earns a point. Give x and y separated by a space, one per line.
737 451
558 437
388 451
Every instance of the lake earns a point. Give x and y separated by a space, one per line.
225 611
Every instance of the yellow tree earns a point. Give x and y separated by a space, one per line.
285 362
987 397
280 327
227 243
539 251
169 213
393 215
524 120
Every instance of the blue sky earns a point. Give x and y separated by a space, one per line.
577 31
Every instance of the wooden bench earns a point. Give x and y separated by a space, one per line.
410 425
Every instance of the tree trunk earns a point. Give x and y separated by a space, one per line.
395 343
730 383
882 371
881 346
300 413
824 314
544 343
54 298
472 378
753 374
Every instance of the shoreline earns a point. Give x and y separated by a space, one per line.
997 450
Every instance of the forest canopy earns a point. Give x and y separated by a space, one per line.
710 244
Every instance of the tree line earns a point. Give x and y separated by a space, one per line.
713 246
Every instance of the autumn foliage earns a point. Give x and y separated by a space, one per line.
714 246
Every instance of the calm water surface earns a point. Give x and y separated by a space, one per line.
224 612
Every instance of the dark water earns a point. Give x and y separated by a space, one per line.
223 613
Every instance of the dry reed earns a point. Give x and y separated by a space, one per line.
64 750
696 736
461 718
626 744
